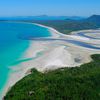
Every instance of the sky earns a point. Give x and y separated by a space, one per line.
49 7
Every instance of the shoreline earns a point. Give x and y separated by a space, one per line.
52 30
8 84
56 51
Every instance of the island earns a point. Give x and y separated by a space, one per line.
67 69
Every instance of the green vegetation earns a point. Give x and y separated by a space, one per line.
79 83
67 26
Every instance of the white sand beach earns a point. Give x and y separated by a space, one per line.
50 55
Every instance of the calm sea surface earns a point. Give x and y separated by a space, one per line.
12 46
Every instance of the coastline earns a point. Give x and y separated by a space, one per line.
56 51
58 34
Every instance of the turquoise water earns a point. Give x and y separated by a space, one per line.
14 41
12 46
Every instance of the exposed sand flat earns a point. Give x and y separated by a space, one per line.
95 35
78 38
49 55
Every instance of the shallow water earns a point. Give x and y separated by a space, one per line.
85 35
12 46
75 42
15 39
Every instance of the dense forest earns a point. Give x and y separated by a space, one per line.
68 25
78 83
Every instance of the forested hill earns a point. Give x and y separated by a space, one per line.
94 18
78 83
68 25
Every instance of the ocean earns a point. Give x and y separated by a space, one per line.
13 43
